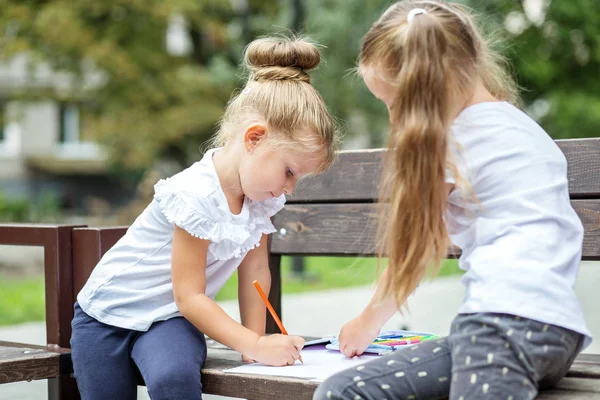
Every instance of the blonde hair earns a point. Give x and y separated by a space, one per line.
431 61
279 92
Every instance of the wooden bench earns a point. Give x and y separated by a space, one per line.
331 214
26 362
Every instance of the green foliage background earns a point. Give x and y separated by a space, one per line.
147 104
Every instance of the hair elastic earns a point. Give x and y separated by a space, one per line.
414 12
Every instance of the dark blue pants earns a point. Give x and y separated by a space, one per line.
107 360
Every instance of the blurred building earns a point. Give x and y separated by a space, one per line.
43 146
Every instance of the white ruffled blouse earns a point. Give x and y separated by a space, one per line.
131 286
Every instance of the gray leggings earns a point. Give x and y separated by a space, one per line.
498 356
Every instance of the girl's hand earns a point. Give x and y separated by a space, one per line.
247 359
356 335
277 350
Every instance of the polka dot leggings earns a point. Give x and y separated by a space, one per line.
491 356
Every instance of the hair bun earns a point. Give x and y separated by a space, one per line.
281 59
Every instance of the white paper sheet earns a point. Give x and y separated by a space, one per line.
319 364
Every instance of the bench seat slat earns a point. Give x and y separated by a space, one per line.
573 389
586 366
23 362
350 229
355 175
253 387
581 383
578 384
215 381
583 380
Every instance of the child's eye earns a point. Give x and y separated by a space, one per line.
289 172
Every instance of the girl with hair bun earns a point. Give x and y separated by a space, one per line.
149 301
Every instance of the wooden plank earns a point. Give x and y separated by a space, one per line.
22 362
589 213
350 229
586 366
573 389
355 175
254 387
583 158
89 245
251 387
215 381
274 293
339 229
58 277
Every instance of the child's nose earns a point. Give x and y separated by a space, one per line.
289 188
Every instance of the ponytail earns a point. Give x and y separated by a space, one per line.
414 177
430 54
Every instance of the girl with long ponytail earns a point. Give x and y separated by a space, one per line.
465 165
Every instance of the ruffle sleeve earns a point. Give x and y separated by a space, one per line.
264 210
272 206
196 215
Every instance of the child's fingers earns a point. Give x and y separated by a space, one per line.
247 359
349 351
298 342
295 352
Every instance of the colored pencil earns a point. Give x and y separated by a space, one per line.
265 300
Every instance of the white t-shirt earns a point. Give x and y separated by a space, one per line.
522 242
131 286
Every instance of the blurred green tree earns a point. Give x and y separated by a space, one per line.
155 75
339 26
152 102
553 46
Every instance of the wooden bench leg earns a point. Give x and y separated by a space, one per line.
275 293
63 388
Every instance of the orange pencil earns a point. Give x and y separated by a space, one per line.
265 300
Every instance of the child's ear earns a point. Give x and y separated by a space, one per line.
253 135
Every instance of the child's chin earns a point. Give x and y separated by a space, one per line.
266 197
258 197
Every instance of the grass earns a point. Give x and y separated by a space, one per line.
328 273
22 299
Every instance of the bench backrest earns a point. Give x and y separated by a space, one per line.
336 213
330 214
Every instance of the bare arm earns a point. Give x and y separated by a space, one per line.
377 313
188 265
357 334
254 267
189 284
252 309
